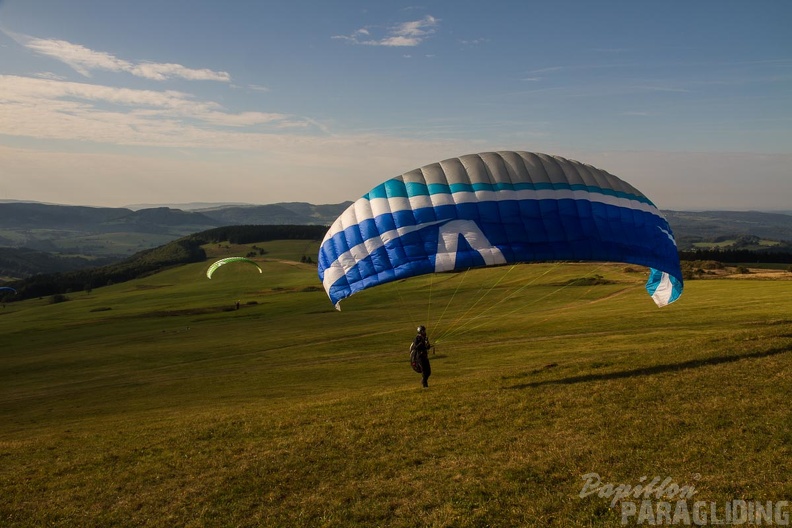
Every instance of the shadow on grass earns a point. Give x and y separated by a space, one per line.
656 369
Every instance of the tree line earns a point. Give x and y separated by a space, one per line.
738 256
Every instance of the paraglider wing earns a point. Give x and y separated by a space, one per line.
496 208
228 260
7 288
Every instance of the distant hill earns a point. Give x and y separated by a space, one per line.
27 216
711 225
286 213
30 218
254 214
20 215
191 206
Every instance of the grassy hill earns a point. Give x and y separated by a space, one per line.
156 403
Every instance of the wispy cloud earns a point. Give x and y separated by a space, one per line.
51 109
474 42
661 88
50 75
406 34
547 70
85 60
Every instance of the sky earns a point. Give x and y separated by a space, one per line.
114 103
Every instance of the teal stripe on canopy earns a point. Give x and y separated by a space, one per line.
398 189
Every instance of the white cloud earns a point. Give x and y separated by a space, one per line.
395 41
244 119
161 72
50 109
84 60
406 34
51 76
416 28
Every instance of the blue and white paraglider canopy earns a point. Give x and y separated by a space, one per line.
496 208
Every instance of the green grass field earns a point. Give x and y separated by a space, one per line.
156 403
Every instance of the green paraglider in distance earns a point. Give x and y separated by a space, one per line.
228 260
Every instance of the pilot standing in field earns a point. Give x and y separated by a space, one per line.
421 345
